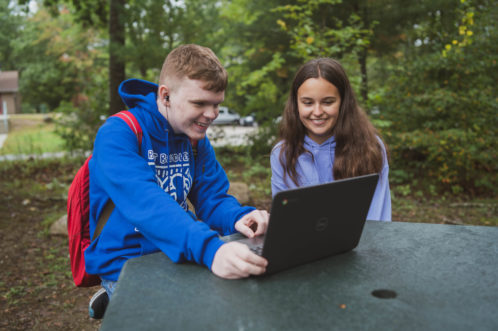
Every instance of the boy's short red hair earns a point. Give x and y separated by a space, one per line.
195 62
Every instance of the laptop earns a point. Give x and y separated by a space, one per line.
313 222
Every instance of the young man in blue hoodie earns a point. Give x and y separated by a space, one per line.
149 184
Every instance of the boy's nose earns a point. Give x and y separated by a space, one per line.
211 112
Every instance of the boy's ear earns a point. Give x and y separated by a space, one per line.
164 93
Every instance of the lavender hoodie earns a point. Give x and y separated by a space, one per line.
318 170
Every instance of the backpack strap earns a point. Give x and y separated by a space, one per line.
132 122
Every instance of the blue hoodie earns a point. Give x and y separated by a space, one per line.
316 168
149 185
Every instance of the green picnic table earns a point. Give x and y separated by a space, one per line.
402 276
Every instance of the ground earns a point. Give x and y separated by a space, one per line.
36 288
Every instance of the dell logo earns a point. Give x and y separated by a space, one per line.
321 224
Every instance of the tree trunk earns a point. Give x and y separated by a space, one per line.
364 75
116 60
362 56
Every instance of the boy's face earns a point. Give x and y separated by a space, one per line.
191 109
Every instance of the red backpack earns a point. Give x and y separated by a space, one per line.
78 214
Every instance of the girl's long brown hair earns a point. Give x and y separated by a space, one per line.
357 152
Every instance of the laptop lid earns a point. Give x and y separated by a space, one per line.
312 222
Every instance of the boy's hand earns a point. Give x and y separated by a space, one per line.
234 260
253 224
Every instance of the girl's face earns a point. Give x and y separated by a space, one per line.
318 103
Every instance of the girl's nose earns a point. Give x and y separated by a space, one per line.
317 109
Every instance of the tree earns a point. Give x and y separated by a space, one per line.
99 14
116 59
154 28
53 58
11 23
141 33
252 53
150 27
328 28
441 100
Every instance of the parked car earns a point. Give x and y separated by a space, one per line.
248 120
226 116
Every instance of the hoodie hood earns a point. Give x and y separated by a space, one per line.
141 94
310 144
138 93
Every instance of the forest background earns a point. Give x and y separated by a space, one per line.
425 71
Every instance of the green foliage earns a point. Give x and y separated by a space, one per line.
261 143
453 158
89 12
316 32
273 39
63 68
155 27
431 67
256 58
55 60
241 165
442 105
40 68
78 125
256 170
11 24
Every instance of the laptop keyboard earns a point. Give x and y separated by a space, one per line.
257 249
255 244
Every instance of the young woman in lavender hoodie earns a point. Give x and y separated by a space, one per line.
325 135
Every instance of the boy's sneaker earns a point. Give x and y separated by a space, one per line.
98 304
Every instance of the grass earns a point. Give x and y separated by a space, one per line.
32 140
30 134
